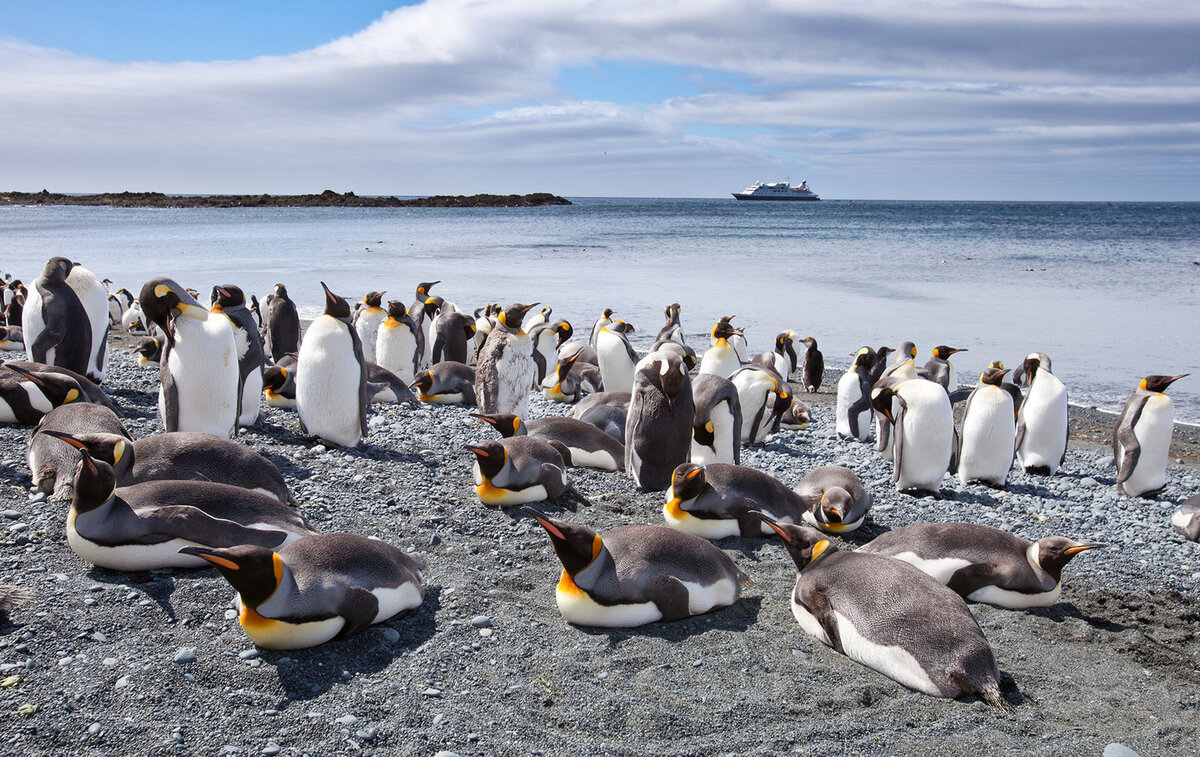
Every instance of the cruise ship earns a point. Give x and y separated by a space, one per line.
779 190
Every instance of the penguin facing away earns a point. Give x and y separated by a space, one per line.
1142 438
634 575
989 430
54 320
890 617
1042 420
658 432
317 588
453 333
331 378
853 409
984 564
504 369
672 330
283 325
230 301
813 370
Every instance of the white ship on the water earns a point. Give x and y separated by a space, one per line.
777 190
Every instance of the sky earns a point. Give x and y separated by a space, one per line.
923 99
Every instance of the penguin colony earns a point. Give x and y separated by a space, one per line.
672 419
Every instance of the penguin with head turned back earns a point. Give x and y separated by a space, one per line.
283 324
366 323
658 432
400 343
1142 438
504 369
547 338
717 427
853 409
764 397
331 378
813 370
230 301
672 330
1042 420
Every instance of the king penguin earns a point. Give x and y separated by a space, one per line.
717 427
634 575
230 301
939 369
813 370
519 470
317 588
366 323
854 399
331 378
547 338
617 358
658 432
55 322
1042 420
604 319
400 343
672 330
505 369
835 499
890 617
283 324
764 398
51 463
716 500
923 447
583 445
721 359
989 430
1142 438
453 332
199 364
446 383
984 564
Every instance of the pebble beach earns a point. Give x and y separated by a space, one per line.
101 662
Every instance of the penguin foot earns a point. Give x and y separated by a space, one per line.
1037 470
935 493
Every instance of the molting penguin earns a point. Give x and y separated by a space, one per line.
939 369
199 366
634 575
671 331
230 301
835 499
853 409
764 398
446 383
604 319
1142 438
519 470
583 445
143 527
658 433
55 322
331 379
51 463
547 338
366 324
813 370
453 333
922 421
283 324
317 588
890 617
400 343
989 430
1186 518
983 564
1042 420
717 425
504 369
721 359
717 500
617 359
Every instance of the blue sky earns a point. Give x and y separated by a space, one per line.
928 99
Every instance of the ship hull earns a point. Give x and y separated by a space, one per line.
738 196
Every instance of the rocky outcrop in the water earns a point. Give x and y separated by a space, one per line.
326 199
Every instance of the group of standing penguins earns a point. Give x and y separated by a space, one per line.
672 419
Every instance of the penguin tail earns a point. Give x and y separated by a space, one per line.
744 579
991 695
11 596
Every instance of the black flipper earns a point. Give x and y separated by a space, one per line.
672 598
1127 440
359 607
970 579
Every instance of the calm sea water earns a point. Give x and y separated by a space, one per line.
1109 291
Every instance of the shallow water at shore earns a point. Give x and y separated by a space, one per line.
1105 289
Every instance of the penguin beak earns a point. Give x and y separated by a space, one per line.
774 526
66 438
1083 547
32 377
1173 379
479 451
551 529
485 418
330 297
211 556
188 310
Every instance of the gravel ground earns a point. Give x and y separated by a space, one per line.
109 663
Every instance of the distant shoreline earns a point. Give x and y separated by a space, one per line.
327 199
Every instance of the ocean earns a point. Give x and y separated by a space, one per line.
1108 290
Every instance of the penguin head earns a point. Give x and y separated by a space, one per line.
672 312
608 313
113 449
510 318
396 309
373 299
163 299
432 305
424 287
227 296
274 378
58 388
908 350
1159 384
882 353
57 270
565 332
724 329
781 402
490 456
687 481
95 482
805 545
1031 366
881 398
1054 552
834 506
336 306
546 311
666 369
254 572
423 381
563 369
281 291
942 352
506 423
863 358
784 341
994 374
619 327
576 546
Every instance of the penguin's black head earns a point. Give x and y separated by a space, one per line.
511 317
274 378
335 306
563 369
784 341
881 398
112 449
57 269
863 358
565 332
253 571
424 287
490 455
608 312
1159 384
687 480
423 381
672 375
150 350
162 299
281 291
432 304
993 375
506 423
58 388
882 353
575 545
396 309
1031 366
1054 552
373 299
780 404
805 545
227 296
943 352
620 327
95 482
724 329
672 312
835 506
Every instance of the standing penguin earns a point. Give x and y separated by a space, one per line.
317 588
56 323
504 369
890 617
813 370
618 361
283 324
923 430
400 343
331 379
854 399
1042 420
1142 438
879 364
764 398
230 301
671 331
417 308
989 430
903 368
547 338
658 432
717 427
783 358
604 319
199 365
366 323
721 359
453 333
939 368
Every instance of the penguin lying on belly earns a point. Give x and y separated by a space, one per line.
520 470
634 575
586 446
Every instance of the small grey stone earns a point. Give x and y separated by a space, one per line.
347 720
271 748
230 614
185 656
481 621
366 734
431 692
1088 481
12 514
799 653
390 635
93 729
446 753
17 528
248 654
122 682
1117 749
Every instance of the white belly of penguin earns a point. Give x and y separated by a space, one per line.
720 360
395 600
703 598
327 379
708 528
251 405
449 398
721 418
926 454
280 634
32 322
1045 416
988 435
1153 432
579 608
36 399
895 662
205 370
602 459
941 568
1015 600
809 623
132 557
394 350
848 392
94 298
